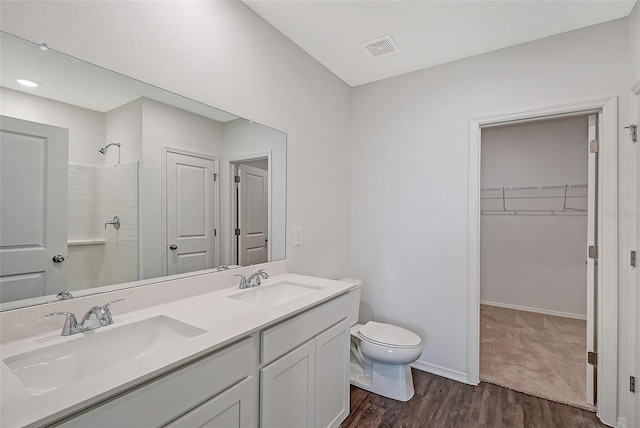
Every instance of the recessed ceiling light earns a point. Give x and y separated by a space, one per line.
27 83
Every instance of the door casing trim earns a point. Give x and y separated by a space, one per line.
607 293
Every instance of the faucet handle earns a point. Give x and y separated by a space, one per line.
263 274
70 323
243 281
114 301
106 312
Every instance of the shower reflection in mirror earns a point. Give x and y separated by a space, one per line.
104 149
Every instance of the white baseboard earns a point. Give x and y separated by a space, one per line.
537 310
440 371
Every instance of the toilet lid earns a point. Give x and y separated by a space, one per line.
389 335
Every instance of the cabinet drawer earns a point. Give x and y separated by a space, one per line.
289 334
163 399
234 408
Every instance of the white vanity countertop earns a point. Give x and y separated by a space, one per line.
225 320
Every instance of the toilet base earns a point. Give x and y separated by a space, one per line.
391 381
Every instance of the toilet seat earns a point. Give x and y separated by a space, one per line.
389 335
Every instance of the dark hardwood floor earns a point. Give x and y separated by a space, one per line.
440 402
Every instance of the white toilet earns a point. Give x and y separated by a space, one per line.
381 355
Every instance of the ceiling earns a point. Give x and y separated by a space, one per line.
427 33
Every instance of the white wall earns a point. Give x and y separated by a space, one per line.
123 125
86 127
242 138
536 260
223 54
409 173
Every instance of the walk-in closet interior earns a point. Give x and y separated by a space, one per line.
534 232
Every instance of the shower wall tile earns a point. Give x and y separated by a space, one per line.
85 263
119 197
84 214
96 194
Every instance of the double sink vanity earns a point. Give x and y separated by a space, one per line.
274 355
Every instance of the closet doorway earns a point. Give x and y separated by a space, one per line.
606 292
537 279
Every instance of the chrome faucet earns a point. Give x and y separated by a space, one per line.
72 326
64 295
243 282
254 279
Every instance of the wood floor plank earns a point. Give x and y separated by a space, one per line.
369 416
537 412
357 401
440 402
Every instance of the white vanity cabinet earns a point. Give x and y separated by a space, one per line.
287 389
308 386
218 390
292 374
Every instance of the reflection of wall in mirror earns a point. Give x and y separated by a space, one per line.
86 127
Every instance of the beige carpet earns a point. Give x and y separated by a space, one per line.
540 355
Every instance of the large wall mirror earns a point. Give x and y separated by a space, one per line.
108 182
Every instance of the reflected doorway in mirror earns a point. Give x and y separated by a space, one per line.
250 207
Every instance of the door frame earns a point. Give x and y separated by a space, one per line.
607 293
633 296
163 203
229 163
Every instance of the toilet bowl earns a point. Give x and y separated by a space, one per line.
381 355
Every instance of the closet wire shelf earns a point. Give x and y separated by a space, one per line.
550 200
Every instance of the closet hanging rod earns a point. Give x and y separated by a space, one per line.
551 186
561 198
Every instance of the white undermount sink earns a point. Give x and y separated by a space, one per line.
272 295
86 354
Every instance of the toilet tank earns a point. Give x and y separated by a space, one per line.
354 300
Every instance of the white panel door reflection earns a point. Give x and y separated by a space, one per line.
190 213
253 202
33 209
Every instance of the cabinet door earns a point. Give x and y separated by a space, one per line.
332 376
234 408
287 390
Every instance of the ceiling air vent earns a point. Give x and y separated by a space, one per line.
380 47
